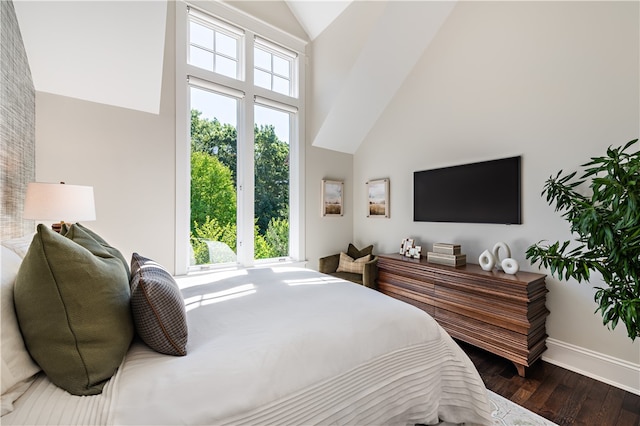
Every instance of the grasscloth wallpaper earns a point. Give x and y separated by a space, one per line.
17 125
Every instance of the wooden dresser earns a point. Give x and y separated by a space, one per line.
501 313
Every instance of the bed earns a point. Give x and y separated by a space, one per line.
279 346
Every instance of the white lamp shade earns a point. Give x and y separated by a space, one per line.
59 202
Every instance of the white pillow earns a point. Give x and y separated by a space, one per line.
19 245
17 368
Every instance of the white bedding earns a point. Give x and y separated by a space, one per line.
282 346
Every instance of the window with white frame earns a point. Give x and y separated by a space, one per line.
214 45
273 67
239 131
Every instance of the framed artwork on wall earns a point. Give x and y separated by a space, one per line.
378 198
332 198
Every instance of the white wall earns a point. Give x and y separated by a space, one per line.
331 57
553 82
330 234
127 156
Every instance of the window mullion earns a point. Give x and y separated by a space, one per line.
183 179
219 79
272 103
271 74
246 187
214 87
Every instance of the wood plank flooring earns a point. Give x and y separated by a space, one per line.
557 394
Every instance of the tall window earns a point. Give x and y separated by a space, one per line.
239 140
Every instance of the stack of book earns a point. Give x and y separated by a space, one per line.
447 254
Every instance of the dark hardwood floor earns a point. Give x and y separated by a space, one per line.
557 394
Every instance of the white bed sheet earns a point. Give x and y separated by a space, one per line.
284 346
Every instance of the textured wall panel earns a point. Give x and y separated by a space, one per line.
17 125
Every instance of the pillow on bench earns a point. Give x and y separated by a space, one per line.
351 265
352 251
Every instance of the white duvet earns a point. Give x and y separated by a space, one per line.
282 346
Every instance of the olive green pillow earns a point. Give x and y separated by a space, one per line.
72 302
114 251
354 253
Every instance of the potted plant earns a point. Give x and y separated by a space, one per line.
606 221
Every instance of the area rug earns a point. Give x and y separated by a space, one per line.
507 413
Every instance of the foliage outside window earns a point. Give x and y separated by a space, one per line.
213 191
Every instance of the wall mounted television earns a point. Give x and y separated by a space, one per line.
483 192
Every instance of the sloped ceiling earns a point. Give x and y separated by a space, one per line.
315 16
109 52
393 46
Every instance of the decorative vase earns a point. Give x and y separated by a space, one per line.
487 260
496 253
510 266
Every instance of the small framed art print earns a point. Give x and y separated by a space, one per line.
378 198
332 198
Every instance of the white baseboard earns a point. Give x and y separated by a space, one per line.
613 371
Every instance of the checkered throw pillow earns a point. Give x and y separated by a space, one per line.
158 308
347 264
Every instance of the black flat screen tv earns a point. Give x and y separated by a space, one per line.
483 192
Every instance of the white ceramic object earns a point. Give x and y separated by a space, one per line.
510 266
496 253
487 260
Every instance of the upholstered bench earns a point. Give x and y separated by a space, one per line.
358 266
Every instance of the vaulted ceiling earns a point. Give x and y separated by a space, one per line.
112 52
315 16
109 52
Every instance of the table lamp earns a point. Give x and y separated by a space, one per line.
59 202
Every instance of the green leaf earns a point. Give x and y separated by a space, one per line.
606 223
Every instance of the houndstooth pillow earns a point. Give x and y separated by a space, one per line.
158 307
347 264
